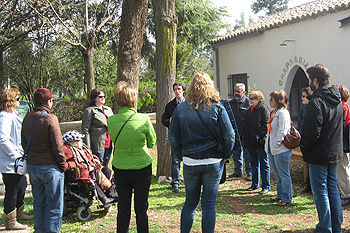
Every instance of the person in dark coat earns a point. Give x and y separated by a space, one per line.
255 130
305 94
322 147
240 105
179 90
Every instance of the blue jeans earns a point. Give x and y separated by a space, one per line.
260 164
175 169
326 196
238 157
106 155
195 177
280 167
47 187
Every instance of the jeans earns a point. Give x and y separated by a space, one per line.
137 182
106 155
280 167
238 157
260 164
326 196
15 189
195 177
308 183
175 169
47 187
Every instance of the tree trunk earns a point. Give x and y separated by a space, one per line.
2 81
89 69
132 28
166 23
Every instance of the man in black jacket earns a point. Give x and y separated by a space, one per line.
240 105
179 90
322 147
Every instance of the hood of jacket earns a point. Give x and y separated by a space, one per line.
329 93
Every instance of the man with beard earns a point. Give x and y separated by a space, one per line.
179 90
322 147
240 104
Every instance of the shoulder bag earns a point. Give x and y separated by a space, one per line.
123 127
223 176
21 162
292 139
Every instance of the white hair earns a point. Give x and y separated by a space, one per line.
241 85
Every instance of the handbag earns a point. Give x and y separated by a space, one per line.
223 176
21 162
292 139
261 141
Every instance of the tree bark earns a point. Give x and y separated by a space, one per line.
2 77
132 28
89 69
166 23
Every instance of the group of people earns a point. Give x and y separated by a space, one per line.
204 132
52 158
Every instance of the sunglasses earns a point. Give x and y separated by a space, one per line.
252 98
101 96
303 96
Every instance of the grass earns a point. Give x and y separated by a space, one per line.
237 210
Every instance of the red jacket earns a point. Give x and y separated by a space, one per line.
91 159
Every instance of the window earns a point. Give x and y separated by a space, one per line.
232 79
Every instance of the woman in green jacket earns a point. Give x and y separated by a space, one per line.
132 162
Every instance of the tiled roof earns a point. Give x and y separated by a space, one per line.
282 18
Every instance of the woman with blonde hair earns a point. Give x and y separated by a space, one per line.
132 134
278 126
10 147
201 133
255 130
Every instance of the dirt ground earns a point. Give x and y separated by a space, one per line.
171 223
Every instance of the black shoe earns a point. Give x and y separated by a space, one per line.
249 178
264 191
345 201
175 189
234 175
107 201
251 188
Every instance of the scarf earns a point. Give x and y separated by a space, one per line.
270 120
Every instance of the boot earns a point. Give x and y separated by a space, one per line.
112 193
107 201
21 216
11 222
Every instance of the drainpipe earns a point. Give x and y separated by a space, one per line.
216 51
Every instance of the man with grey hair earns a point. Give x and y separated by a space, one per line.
240 104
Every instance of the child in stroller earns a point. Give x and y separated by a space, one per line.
85 172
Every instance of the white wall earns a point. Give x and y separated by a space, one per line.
318 40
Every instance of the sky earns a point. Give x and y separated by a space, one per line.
235 7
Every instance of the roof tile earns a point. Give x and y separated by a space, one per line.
289 16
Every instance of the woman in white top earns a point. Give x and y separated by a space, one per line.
10 147
278 126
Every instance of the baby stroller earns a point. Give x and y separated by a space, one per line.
79 195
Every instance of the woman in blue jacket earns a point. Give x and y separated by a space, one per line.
10 147
203 155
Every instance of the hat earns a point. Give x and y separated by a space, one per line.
72 136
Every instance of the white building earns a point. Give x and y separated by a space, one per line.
274 52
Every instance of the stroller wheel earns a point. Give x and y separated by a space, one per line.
84 213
